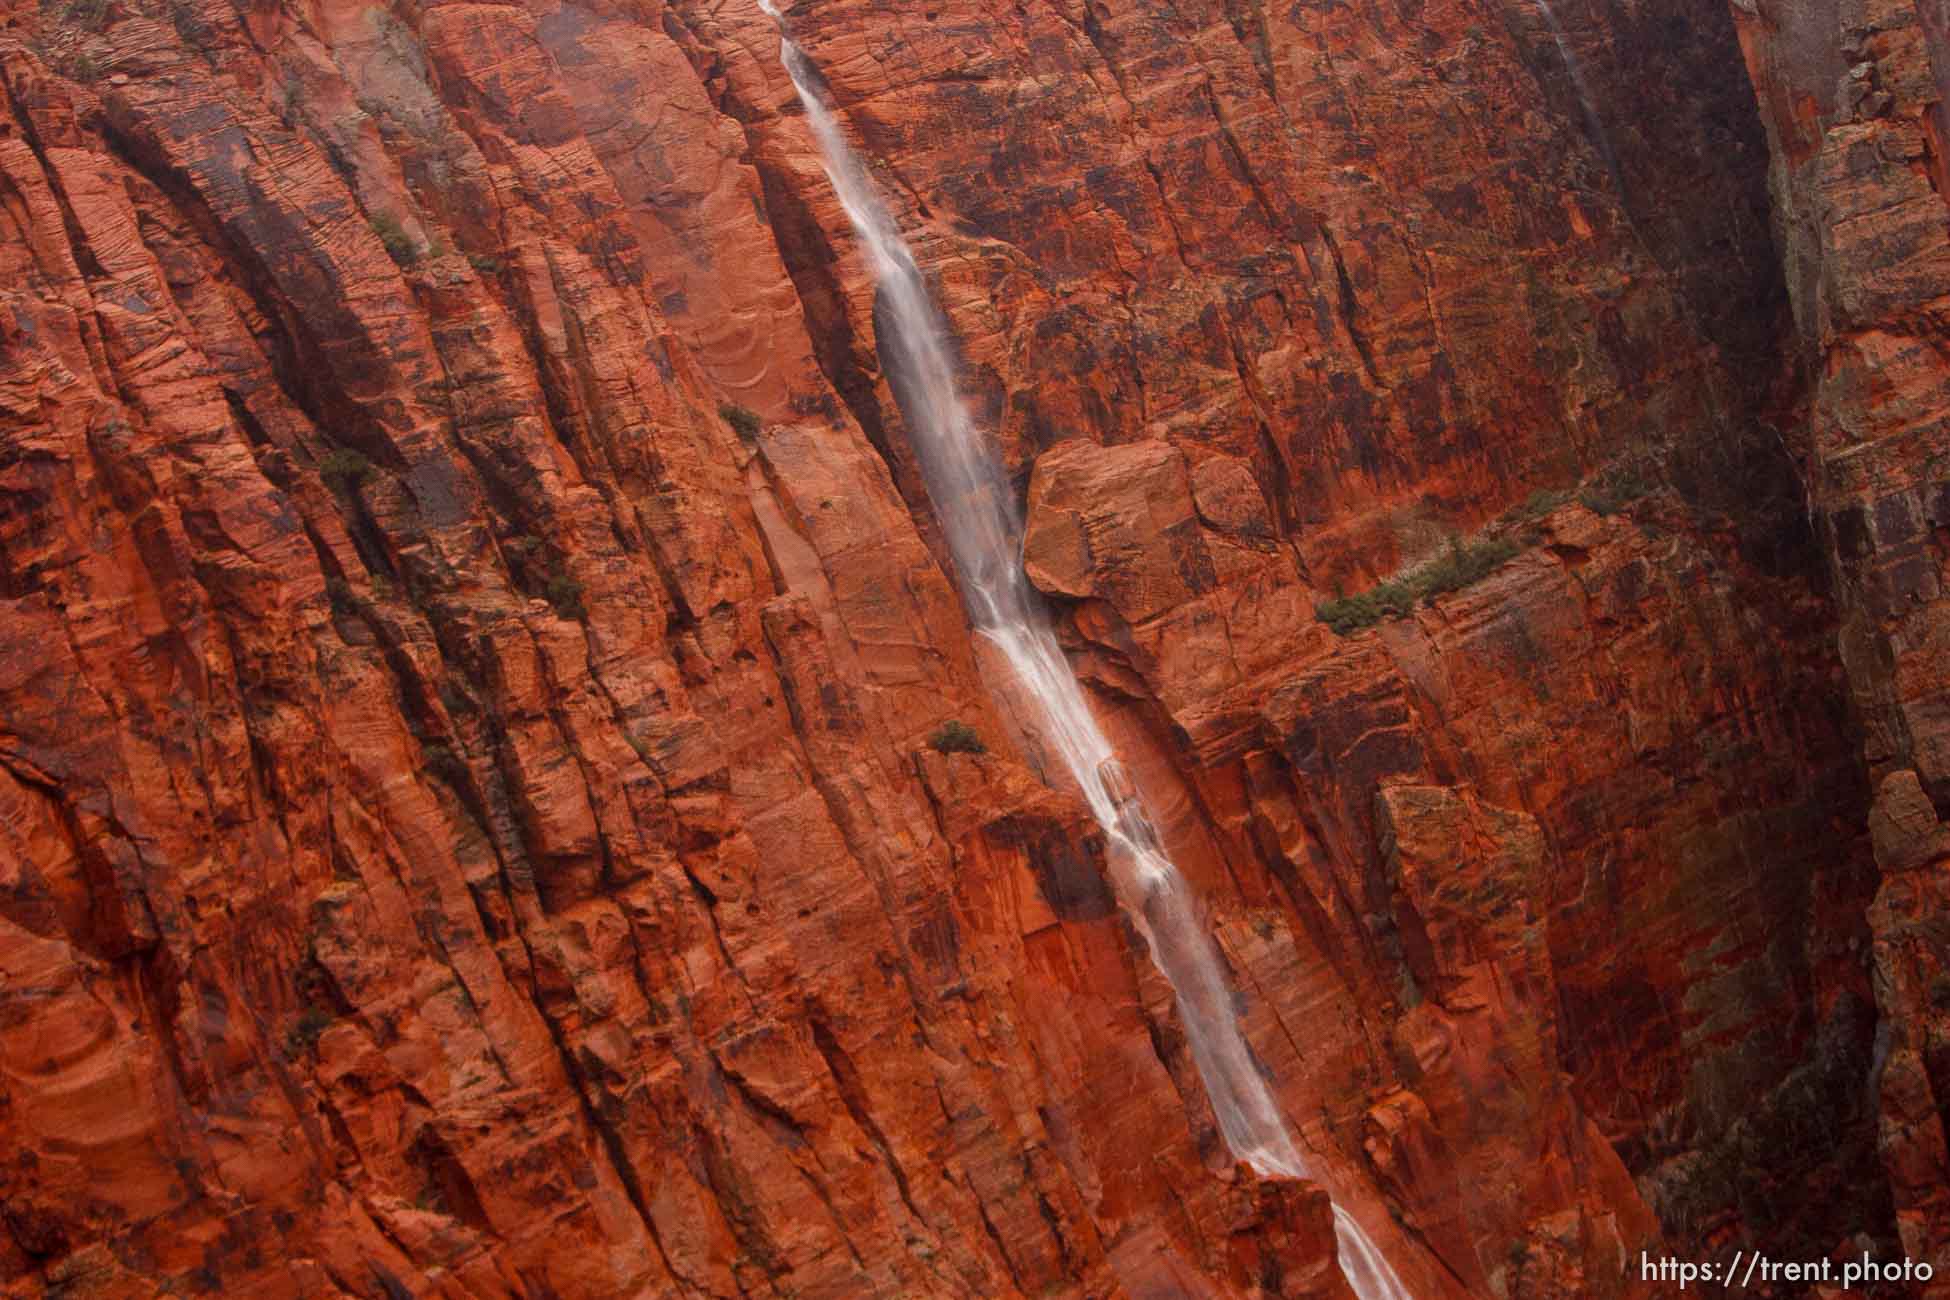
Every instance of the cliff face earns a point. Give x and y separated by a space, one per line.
472 629
1855 104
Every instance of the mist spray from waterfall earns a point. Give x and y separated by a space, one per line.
978 517
1593 124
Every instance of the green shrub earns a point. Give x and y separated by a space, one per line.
400 246
1535 506
1615 489
1463 563
83 67
956 737
565 594
744 422
485 264
344 469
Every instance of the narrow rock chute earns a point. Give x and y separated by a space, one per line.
978 517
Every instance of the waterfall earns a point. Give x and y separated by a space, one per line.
1594 126
978 517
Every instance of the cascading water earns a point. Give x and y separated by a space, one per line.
979 519
1593 124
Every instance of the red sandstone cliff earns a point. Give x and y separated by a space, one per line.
467 825
1855 105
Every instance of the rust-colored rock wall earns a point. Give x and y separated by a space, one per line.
465 834
1580 900
466 817
1854 100
1361 250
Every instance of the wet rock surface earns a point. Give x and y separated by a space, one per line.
1853 99
471 629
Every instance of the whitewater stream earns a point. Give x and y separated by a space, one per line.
978 517
1593 124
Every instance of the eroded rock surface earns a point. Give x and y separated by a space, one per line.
467 821
1855 105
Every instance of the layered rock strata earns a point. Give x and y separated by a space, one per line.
1855 105
472 629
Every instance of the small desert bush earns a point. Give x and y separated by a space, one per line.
956 737
1463 563
399 245
1615 488
344 469
565 593
743 421
1535 506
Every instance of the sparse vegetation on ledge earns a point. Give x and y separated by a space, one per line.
344 469
400 246
1615 489
1535 506
743 421
1470 560
956 737
1463 563
565 594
